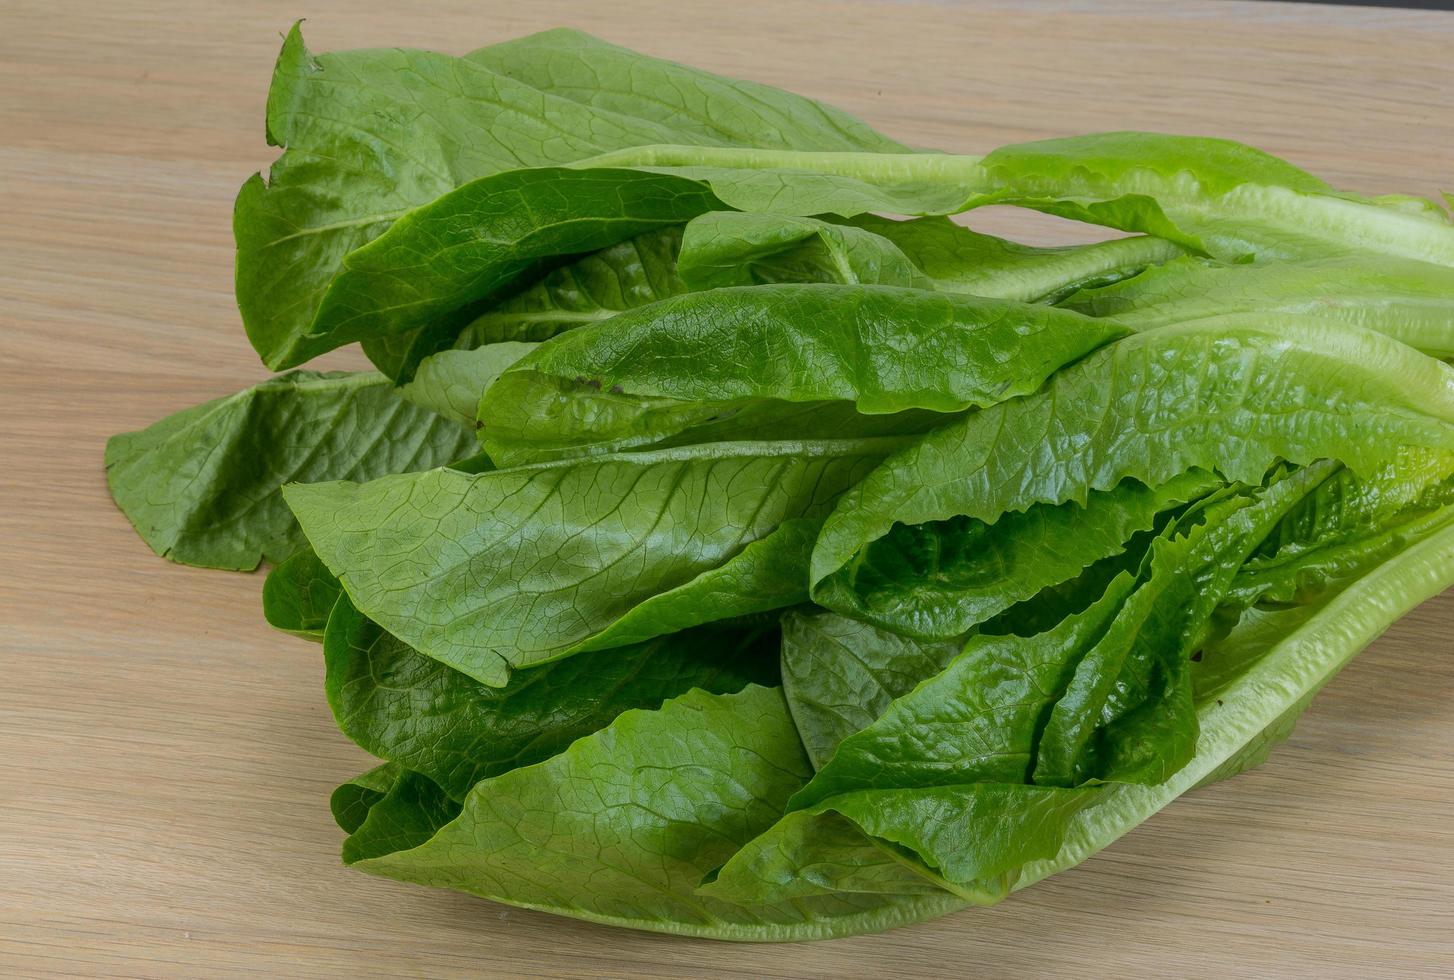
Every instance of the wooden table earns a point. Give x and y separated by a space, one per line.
165 760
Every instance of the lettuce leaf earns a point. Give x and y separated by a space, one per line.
1235 393
758 354
981 840
1280 667
451 382
624 825
299 595
371 135
202 486
521 566
941 579
840 675
418 713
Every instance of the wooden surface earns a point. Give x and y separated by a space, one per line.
165 760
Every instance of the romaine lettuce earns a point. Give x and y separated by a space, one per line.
715 554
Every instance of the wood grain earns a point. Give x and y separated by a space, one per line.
165 760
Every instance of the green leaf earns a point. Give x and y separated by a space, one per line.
941 579
1230 393
1079 565
1215 196
1289 663
1105 696
402 706
980 718
808 854
201 486
769 573
797 183
959 260
733 248
622 827
351 801
840 675
408 814
1126 713
1060 708
844 679
451 382
1347 525
299 594
1408 300
519 566
763 352
617 83
595 287
1352 503
976 836
1297 579
371 135
435 263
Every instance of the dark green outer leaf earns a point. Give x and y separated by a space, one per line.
407 815
770 420
370 135
299 595
1351 522
595 287
976 720
623 826
517 567
907 777
201 486
1265 675
1127 715
840 185
976 836
840 675
615 82
1350 502
351 801
1300 578
807 854
768 574
402 706
477 240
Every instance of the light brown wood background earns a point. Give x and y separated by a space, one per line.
165 760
